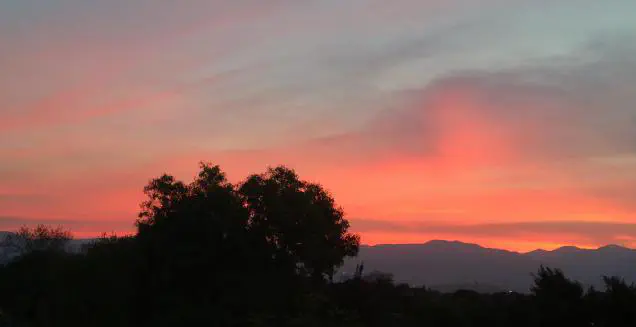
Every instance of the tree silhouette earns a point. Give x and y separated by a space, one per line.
620 305
299 220
39 238
559 300
193 238
268 231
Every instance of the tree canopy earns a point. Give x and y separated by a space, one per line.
38 238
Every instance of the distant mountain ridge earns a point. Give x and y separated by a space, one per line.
452 265
443 264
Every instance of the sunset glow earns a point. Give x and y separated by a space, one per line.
511 124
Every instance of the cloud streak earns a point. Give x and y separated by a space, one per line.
587 233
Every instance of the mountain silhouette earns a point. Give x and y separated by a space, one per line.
452 265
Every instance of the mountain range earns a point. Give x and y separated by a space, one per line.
448 266
451 265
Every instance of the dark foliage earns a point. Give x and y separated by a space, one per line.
260 253
39 238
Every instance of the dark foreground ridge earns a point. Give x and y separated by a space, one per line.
266 252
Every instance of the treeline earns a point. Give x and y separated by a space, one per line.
262 252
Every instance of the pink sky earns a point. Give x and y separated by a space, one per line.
509 123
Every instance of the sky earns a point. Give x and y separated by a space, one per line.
510 124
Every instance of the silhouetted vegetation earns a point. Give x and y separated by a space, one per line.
259 253
39 238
